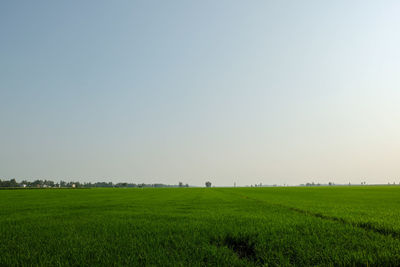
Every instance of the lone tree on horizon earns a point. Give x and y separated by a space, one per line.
208 184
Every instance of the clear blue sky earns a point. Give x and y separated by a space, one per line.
167 91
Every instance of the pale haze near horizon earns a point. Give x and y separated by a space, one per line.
268 92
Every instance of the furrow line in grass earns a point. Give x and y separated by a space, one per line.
368 226
364 225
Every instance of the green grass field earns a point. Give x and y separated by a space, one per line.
201 226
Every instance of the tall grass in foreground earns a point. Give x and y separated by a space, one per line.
199 226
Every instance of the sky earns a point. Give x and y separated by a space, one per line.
271 92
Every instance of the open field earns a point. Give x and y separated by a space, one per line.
201 226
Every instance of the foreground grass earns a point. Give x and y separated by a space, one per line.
198 226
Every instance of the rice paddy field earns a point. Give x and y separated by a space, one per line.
288 226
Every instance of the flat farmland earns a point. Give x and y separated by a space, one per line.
282 226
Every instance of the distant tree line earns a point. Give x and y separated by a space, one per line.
62 184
